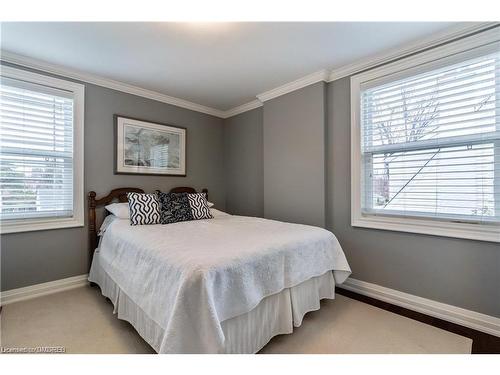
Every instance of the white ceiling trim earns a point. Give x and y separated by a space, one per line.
105 82
309 79
243 108
397 53
368 63
325 75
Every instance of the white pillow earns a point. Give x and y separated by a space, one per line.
106 223
217 213
210 204
120 210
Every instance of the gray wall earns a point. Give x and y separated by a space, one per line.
37 257
294 156
243 164
459 272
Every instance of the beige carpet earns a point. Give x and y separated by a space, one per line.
81 320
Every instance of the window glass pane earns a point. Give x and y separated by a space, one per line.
441 182
431 143
36 151
456 101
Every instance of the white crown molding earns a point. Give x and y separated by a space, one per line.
446 36
309 79
435 40
44 66
326 75
38 290
467 318
243 108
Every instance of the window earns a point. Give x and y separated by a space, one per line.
41 152
426 145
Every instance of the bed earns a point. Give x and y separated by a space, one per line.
222 285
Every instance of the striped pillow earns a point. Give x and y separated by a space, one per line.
144 209
199 206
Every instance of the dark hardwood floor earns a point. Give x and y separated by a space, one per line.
482 343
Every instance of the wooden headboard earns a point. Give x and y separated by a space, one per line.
119 195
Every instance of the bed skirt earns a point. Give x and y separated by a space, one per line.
247 333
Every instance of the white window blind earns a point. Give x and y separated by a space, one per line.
36 151
430 143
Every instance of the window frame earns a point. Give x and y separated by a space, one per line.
448 54
78 92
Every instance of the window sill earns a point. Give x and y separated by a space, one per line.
481 232
17 226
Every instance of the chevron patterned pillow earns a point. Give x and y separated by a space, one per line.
199 206
144 209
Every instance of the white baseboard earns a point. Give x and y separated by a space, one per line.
38 290
467 318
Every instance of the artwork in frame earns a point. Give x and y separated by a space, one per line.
144 147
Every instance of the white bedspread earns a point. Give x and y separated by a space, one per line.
189 277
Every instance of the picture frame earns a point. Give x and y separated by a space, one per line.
144 147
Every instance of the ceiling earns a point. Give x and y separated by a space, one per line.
220 65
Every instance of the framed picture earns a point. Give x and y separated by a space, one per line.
143 147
